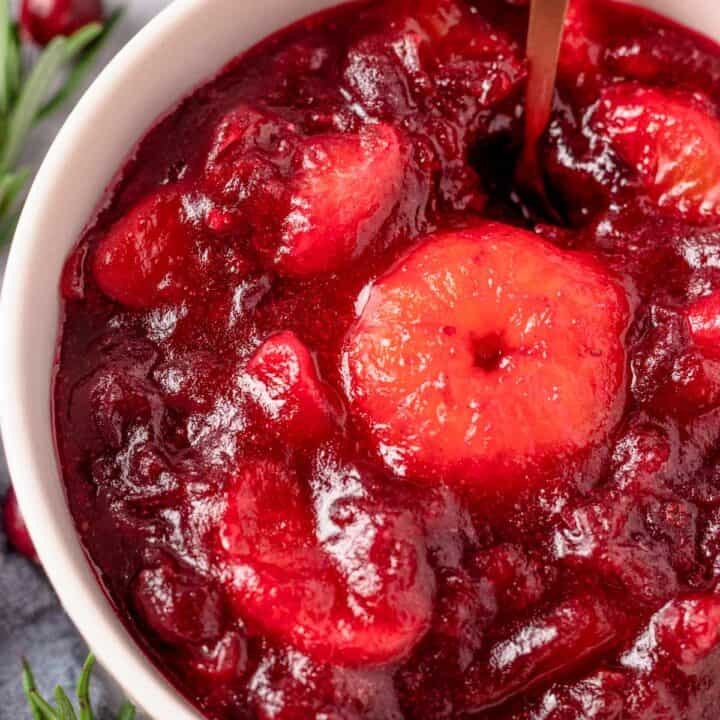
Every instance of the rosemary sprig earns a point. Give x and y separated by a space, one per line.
29 95
81 68
41 709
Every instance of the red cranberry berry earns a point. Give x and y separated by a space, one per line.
15 529
43 20
176 605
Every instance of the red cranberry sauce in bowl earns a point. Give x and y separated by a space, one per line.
350 433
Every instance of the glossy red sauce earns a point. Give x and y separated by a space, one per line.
350 433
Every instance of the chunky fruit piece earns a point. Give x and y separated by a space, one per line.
703 318
176 605
464 609
223 661
582 45
657 54
671 667
543 648
466 55
42 20
15 529
642 452
280 534
288 685
635 541
688 629
670 375
353 589
483 352
670 141
342 190
248 151
694 382
673 662
283 380
276 676
599 696
515 578
146 257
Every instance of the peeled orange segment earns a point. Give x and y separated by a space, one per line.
672 143
485 351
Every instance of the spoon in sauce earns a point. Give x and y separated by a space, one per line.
547 18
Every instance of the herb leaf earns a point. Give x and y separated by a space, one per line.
13 64
81 68
41 709
46 710
45 71
64 706
4 53
83 689
30 101
27 98
29 687
127 712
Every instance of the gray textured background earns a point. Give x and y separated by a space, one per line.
31 621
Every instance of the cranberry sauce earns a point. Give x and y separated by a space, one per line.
349 432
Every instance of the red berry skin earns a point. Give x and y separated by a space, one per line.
43 20
551 643
284 381
674 656
703 319
145 258
176 606
601 693
243 170
15 529
223 661
343 188
688 629
671 142
312 592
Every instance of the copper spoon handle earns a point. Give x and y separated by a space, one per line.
547 18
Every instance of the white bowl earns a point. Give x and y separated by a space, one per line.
183 46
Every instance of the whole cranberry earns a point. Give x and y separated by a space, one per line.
15 529
42 20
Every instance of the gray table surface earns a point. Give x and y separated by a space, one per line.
31 621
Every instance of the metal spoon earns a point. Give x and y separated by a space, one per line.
547 18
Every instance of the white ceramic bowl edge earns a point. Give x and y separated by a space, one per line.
182 47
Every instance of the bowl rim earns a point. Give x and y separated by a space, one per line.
41 491
186 44
109 640
175 43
